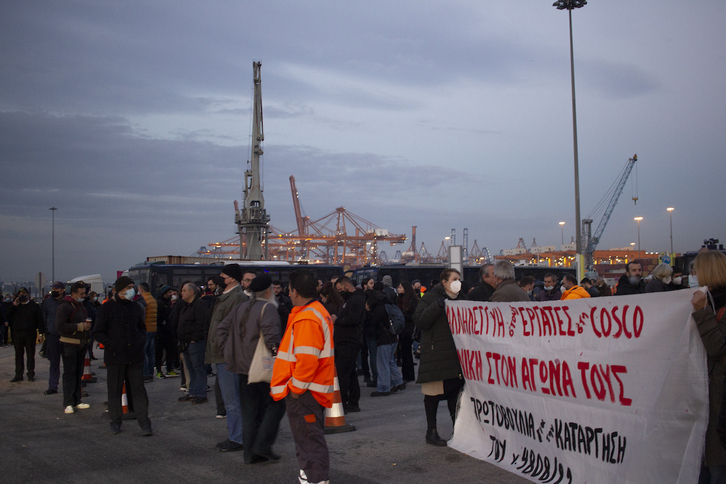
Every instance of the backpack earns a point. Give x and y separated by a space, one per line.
396 321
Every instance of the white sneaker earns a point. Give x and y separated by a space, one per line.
69 409
83 406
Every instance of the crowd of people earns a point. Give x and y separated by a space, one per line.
312 330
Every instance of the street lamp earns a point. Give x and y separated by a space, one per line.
52 210
562 224
670 213
638 219
569 5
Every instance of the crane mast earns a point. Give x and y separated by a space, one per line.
591 240
252 220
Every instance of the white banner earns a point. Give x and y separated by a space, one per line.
600 390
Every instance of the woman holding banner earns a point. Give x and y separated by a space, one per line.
439 371
709 306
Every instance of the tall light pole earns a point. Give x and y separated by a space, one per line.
569 5
52 210
562 225
638 219
670 213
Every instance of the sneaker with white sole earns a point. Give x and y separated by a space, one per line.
69 409
83 406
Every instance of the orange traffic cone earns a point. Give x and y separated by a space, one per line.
87 377
335 415
124 401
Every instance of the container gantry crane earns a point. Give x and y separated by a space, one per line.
590 240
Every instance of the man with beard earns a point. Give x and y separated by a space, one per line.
632 281
73 326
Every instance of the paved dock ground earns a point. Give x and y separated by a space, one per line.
41 444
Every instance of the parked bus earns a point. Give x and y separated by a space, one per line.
158 275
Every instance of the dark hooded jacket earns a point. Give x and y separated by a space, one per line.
439 360
379 318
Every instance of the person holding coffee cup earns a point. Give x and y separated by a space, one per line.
73 325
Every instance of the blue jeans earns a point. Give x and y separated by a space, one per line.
194 358
388 374
149 354
229 384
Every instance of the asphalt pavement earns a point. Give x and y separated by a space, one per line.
39 443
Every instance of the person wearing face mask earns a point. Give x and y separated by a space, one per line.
709 307
73 327
551 290
121 328
677 279
507 289
348 339
27 327
570 289
632 281
661 279
527 285
439 369
53 348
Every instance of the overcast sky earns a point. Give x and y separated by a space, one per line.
133 118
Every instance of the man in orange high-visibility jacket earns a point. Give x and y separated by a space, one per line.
304 375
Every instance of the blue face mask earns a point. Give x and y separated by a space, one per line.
130 294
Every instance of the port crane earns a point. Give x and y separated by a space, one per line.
590 239
253 220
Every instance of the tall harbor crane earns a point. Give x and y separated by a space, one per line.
252 220
590 240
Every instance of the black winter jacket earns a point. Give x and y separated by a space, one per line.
121 329
193 322
348 326
26 318
439 360
624 288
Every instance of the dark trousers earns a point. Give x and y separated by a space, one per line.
73 359
134 374
165 342
452 388
24 341
405 342
261 417
345 362
53 352
307 424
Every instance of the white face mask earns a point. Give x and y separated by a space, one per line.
692 281
548 288
667 280
678 280
130 294
174 297
455 287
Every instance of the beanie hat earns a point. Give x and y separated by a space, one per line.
58 285
122 282
164 290
234 271
260 283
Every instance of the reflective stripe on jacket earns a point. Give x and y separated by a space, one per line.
305 357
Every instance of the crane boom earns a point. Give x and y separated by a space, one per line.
591 241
